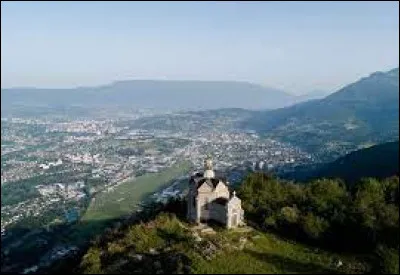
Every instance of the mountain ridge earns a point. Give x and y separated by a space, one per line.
377 161
169 94
365 111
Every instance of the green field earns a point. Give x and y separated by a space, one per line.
123 199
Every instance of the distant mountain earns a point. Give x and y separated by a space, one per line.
379 161
316 94
364 112
154 94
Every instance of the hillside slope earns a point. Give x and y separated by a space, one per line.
168 245
378 161
316 94
361 113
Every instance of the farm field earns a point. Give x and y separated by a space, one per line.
124 198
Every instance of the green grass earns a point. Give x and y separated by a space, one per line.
262 253
123 199
273 255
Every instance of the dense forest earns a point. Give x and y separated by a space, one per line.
324 212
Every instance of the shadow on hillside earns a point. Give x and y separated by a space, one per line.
288 265
171 262
23 246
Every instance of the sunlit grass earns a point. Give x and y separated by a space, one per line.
262 253
124 198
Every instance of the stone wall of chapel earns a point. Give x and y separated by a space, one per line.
191 200
235 203
234 207
204 201
191 207
206 195
221 191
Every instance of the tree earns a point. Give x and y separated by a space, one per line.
327 198
289 215
314 226
387 260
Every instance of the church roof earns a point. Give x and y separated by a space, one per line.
211 182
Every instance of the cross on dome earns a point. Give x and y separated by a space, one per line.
208 163
208 169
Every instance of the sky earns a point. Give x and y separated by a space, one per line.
298 47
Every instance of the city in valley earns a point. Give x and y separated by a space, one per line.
59 171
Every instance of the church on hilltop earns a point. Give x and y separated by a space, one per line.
209 199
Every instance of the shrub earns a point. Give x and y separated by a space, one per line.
114 248
91 262
289 215
326 197
388 260
270 222
142 239
314 226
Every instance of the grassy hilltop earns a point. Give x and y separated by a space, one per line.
319 227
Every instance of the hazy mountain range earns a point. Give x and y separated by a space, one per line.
360 114
315 94
156 94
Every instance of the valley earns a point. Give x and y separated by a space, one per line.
70 173
204 137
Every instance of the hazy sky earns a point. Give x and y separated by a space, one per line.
295 46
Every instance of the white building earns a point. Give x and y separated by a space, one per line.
209 199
